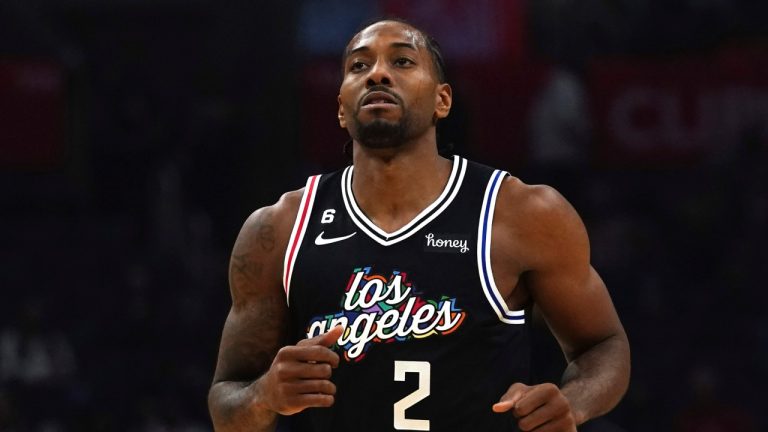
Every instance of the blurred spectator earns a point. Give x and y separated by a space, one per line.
37 362
708 412
32 354
560 126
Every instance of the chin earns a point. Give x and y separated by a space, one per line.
381 144
381 133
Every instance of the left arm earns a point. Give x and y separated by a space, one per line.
558 277
597 375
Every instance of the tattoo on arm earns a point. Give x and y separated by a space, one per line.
244 270
247 261
255 329
266 236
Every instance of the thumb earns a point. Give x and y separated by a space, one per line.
326 339
508 400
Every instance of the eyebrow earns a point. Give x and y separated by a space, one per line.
392 45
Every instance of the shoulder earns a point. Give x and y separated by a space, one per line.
280 213
256 260
267 229
535 202
539 218
275 220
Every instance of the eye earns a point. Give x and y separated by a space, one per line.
404 61
357 66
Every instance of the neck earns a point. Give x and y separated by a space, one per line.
392 186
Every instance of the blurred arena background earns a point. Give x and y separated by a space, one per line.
137 135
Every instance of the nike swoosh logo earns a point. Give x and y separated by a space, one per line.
324 241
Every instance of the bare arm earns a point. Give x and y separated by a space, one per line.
598 369
256 375
552 252
255 328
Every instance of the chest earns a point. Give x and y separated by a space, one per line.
420 280
341 271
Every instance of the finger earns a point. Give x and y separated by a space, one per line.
318 371
315 400
307 354
315 354
300 402
289 371
326 339
536 397
312 386
544 414
510 398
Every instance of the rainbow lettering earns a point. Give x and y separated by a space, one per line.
376 309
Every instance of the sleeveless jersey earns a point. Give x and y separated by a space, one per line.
429 343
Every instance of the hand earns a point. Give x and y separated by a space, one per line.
299 376
542 408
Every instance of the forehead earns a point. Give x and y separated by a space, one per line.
387 32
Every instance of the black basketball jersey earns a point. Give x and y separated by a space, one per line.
429 343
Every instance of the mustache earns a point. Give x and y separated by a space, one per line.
383 89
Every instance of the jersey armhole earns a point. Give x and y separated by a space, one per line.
297 234
484 236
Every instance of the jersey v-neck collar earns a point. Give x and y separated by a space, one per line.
423 218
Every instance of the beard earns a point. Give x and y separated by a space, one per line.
380 133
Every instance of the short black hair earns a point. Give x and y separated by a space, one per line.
433 47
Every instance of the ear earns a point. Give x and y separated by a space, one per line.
443 101
342 119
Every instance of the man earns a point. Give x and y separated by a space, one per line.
392 295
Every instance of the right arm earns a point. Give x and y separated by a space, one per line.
256 376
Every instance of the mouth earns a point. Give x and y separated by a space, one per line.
378 98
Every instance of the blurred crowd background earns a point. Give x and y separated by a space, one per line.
137 135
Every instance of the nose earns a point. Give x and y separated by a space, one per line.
379 75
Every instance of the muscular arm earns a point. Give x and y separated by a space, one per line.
550 249
255 328
597 374
257 375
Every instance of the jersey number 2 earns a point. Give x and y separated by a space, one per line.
423 369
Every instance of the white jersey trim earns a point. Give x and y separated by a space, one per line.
484 236
426 216
297 234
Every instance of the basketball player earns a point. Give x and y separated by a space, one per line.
395 294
